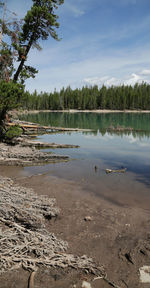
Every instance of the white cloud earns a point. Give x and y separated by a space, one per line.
72 62
131 139
145 72
96 80
134 78
99 136
106 80
112 81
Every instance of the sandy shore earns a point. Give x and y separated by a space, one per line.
78 111
116 237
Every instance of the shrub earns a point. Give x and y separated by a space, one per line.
12 132
10 95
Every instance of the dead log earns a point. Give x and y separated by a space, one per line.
38 127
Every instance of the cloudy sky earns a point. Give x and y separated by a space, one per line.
103 42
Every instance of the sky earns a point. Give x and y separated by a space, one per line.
102 42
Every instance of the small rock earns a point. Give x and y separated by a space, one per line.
88 218
86 284
145 274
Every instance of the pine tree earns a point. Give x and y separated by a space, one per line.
40 22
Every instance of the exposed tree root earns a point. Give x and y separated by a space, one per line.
31 280
24 241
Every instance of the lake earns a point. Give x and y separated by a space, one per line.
103 149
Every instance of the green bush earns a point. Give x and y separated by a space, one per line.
12 132
10 95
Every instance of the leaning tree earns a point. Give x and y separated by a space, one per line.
17 37
40 22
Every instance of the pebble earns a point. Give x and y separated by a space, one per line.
145 274
86 284
88 218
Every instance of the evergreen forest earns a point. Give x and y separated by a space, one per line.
135 97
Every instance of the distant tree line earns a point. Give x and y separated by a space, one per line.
116 98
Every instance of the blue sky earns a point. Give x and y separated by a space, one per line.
103 42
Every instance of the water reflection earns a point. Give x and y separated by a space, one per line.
102 148
105 122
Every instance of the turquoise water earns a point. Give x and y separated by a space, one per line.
96 121
102 149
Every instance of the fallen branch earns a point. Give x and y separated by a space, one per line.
107 281
46 128
111 283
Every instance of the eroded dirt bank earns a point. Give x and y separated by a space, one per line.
117 238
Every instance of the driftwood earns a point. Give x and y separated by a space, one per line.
24 241
116 171
32 126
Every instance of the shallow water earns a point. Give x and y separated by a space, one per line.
102 149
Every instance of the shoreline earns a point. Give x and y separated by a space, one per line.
15 112
92 226
115 236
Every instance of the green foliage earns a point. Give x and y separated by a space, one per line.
40 22
12 132
6 61
113 98
27 72
10 96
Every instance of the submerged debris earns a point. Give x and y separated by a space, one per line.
116 171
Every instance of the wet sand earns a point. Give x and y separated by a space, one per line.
116 236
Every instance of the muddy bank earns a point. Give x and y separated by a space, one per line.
24 240
117 238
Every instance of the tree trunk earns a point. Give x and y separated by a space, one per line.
23 59
2 116
19 70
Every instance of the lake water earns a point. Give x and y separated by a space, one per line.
113 150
